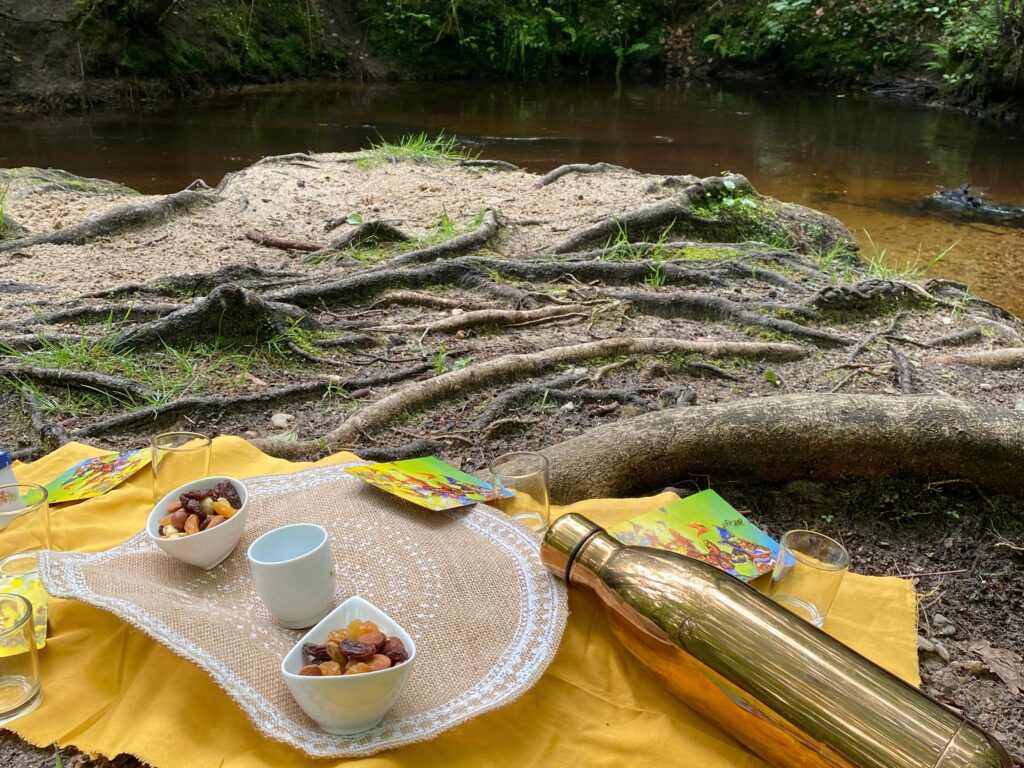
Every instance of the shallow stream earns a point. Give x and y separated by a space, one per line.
871 163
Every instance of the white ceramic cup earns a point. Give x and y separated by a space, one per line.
293 569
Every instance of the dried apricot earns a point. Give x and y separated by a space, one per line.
223 508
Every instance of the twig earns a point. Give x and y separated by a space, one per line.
937 573
262 238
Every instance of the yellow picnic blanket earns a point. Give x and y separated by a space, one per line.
109 689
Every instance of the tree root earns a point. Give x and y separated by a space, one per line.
516 366
872 294
418 299
492 317
966 336
160 414
229 311
1012 357
127 217
200 284
456 246
369 232
497 165
97 313
668 214
262 238
696 306
97 382
904 376
822 437
867 340
562 170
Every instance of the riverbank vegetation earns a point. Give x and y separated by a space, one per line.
88 52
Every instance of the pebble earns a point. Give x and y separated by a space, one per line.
282 420
1019 405
932 646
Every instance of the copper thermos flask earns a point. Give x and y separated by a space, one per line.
791 693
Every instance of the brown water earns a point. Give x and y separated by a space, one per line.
869 162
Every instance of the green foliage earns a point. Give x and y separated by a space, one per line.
516 38
976 46
252 39
813 36
417 147
979 52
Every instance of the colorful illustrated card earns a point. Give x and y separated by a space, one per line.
704 526
96 476
428 482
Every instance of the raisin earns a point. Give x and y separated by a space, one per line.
376 639
226 490
330 668
317 653
353 649
394 649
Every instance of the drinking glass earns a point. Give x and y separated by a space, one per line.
24 529
20 691
526 475
808 573
178 458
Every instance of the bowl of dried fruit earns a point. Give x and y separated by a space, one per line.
201 522
348 670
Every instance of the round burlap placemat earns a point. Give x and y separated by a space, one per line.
467 584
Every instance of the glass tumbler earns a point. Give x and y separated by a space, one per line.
20 689
526 475
179 458
24 529
808 573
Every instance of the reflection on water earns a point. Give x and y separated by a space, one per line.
868 162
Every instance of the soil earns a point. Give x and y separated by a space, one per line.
331 337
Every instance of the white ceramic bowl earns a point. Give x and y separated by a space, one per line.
348 704
208 548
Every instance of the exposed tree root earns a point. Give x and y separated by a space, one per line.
904 375
456 246
512 367
492 317
97 382
873 293
229 311
562 170
97 313
497 165
158 415
369 232
697 306
200 284
992 358
814 436
871 337
52 436
127 217
348 340
418 299
966 336
668 214
262 238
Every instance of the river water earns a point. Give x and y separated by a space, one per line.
871 163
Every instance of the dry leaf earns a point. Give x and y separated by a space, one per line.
1003 663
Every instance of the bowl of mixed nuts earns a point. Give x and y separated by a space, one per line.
348 670
201 522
